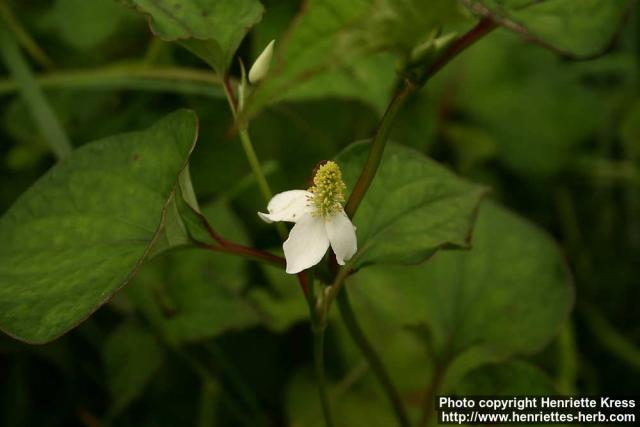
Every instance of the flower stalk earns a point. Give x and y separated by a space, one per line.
409 86
358 336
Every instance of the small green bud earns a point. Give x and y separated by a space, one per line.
260 67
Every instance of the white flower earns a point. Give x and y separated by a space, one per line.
261 66
320 221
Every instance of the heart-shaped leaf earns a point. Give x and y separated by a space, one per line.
414 206
509 294
328 51
83 229
581 29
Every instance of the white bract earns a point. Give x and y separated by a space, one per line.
320 220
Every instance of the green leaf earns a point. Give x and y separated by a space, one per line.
579 29
83 229
535 106
334 49
508 295
212 29
510 379
199 294
352 404
86 25
413 208
132 356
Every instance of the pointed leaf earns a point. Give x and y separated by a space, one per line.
212 29
413 207
83 229
578 28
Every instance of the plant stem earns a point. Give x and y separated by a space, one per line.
43 114
409 86
318 356
209 392
250 153
256 168
567 361
236 380
23 37
357 334
611 339
377 148
318 329
434 386
246 252
185 80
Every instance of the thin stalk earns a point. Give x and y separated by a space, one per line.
428 403
399 99
567 361
367 175
611 339
377 148
191 81
236 380
358 336
318 356
245 252
209 392
250 153
254 163
224 245
318 330
43 114
23 37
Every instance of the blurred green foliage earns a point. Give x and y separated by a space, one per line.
543 302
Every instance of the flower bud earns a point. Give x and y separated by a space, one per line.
260 67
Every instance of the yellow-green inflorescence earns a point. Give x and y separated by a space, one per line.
328 190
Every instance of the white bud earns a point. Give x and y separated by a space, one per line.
260 68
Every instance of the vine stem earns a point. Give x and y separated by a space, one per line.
256 168
42 112
399 99
257 171
318 353
358 336
318 329
224 245
428 404
409 86
250 152
23 37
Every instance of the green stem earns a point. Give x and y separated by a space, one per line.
611 339
377 149
228 368
254 163
185 80
567 361
318 329
250 153
358 336
318 356
428 403
209 393
132 77
43 114
24 38
409 86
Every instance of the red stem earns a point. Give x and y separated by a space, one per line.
470 37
